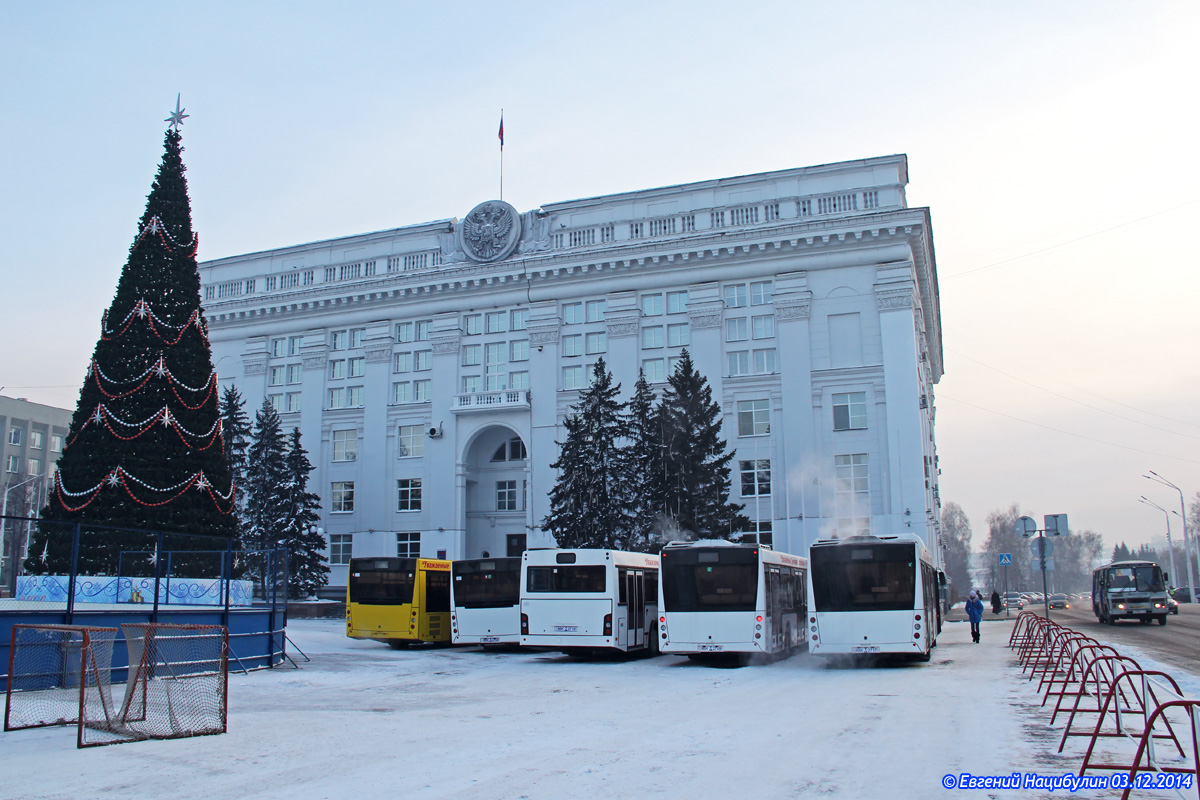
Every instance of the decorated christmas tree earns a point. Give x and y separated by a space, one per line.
145 447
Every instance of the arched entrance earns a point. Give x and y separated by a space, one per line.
496 471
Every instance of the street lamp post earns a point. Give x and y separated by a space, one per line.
1187 539
1170 548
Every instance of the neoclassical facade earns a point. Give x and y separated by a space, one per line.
430 367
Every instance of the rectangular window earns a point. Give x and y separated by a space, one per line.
14 464
506 495
655 370
673 364
294 345
497 322
276 401
356 336
410 441
408 491
56 443
472 324
338 340
472 384
572 377
596 343
756 477
408 545
295 374
595 310
572 345
337 397
677 302
358 368
472 355
652 305
494 353
337 369
343 497
14 435
760 293
422 360
354 396
406 332
853 478
275 376
35 440
494 379
291 401
763 327
345 445
764 362
518 350
679 335
652 337
739 362
340 548
518 380
736 330
423 329
402 362
735 296
850 411
753 417
520 319
402 392
572 313
278 347
421 391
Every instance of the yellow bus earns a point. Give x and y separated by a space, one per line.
398 600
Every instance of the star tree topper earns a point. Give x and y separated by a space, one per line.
177 116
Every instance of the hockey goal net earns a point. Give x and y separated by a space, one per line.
176 682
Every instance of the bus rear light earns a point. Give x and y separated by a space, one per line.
758 618
917 625
917 635
813 620
917 617
663 620
524 624
814 630
608 624
758 636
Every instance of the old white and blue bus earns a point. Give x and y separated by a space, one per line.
589 600
1130 590
872 594
719 597
485 601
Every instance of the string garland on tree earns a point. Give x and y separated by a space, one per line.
119 477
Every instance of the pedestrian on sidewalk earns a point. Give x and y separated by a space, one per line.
997 606
975 614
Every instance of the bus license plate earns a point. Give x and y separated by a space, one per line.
711 648
867 648
566 628
488 639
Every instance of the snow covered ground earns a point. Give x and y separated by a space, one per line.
364 721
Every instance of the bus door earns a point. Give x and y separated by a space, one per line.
635 593
775 606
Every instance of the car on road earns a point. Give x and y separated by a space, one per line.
1059 601
1172 605
1182 595
1014 600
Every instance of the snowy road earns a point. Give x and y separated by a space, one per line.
363 721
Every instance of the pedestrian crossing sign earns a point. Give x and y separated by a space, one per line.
1006 559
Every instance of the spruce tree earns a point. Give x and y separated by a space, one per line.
307 566
266 505
145 446
236 425
590 501
645 464
696 460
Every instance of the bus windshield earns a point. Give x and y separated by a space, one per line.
567 579
487 584
878 577
382 581
724 579
1136 579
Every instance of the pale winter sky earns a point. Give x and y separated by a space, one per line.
1047 139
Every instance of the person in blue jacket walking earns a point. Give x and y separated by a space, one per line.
975 614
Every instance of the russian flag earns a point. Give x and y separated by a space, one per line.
501 134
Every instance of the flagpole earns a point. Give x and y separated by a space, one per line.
502 154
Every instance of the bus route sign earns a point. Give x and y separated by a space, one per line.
1006 559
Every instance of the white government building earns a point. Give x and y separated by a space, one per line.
429 367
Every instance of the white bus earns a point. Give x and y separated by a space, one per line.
485 601
872 594
719 597
589 600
